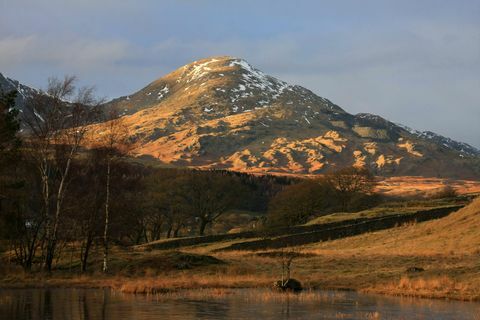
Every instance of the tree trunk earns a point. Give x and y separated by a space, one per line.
145 234
52 242
105 231
31 248
139 235
175 232
31 253
203 225
86 252
156 232
46 204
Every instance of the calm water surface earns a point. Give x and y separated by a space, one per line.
60 304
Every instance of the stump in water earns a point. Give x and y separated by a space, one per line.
291 284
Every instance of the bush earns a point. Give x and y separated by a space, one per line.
446 192
296 203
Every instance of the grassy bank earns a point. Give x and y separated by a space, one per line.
445 276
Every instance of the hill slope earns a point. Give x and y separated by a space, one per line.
23 92
223 113
456 233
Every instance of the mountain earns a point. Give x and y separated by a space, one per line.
23 92
221 112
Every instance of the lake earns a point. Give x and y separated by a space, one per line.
59 304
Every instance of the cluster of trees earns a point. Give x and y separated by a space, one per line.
345 190
54 191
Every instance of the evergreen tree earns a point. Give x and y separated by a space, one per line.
9 126
9 146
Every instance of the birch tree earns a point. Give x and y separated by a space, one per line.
57 122
115 143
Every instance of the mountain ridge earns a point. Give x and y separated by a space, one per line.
23 92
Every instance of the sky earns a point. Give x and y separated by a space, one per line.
415 62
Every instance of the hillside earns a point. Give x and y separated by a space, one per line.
223 113
456 234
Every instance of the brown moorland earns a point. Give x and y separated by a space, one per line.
437 259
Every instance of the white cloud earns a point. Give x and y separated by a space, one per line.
81 54
13 49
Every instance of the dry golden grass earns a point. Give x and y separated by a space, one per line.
257 295
391 208
446 248
193 281
415 186
430 287
328 270
455 234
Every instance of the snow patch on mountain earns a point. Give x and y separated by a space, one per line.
462 147
256 79
199 71
162 93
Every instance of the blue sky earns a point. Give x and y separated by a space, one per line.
413 62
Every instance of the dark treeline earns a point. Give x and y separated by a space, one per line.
60 187
146 204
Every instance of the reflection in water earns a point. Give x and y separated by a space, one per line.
86 304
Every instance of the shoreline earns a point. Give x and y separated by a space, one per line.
125 285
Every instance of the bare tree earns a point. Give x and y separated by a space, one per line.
210 195
287 283
351 182
286 257
115 143
166 204
57 122
86 202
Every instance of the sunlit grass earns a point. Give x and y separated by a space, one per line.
192 281
430 287
249 295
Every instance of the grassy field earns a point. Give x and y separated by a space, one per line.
447 250
390 208
415 186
